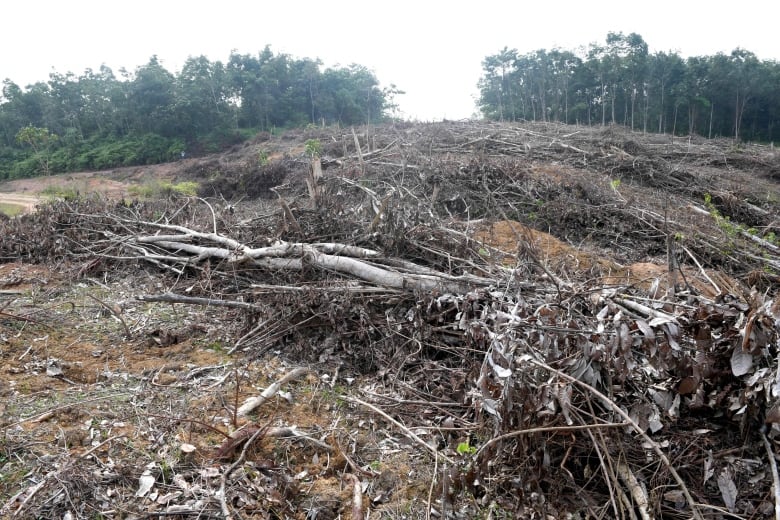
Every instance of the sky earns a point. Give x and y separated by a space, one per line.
432 50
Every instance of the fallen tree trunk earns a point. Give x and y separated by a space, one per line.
193 247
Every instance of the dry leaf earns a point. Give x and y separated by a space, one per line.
741 362
145 483
728 490
688 385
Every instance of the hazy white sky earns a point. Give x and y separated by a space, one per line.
431 49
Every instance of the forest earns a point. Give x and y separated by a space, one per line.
100 120
620 82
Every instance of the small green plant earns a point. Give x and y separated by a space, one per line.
313 148
216 346
615 183
375 465
166 471
464 448
141 191
262 158
724 223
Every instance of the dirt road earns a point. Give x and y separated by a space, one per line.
27 203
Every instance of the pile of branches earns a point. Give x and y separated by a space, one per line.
573 397
552 395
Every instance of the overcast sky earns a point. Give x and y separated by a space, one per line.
431 49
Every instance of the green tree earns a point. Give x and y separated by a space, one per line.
139 117
497 84
40 140
151 99
202 98
665 72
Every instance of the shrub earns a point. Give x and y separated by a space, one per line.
164 189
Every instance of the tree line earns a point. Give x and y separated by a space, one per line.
101 120
620 82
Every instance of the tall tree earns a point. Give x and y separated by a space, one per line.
151 99
202 95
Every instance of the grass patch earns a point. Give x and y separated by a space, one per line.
162 189
60 192
11 210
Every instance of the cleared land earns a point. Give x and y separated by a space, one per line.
457 320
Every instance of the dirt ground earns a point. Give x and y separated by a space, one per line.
77 388
111 183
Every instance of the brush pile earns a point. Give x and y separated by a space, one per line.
536 378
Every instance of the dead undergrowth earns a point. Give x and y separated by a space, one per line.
466 321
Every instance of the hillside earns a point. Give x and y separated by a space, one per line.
457 320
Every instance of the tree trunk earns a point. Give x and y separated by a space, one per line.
612 104
603 105
661 128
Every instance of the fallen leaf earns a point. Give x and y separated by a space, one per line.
728 490
741 362
688 385
145 483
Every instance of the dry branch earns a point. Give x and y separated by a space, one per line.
406 431
388 281
341 258
770 453
636 489
192 300
271 391
357 497
639 430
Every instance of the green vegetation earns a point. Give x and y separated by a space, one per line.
160 189
262 158
730 228
724 223
464 448
40 140
97 120
313 148
10 210
621 82
58 192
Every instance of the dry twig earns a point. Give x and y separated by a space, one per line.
271 391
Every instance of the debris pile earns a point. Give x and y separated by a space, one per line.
531 376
